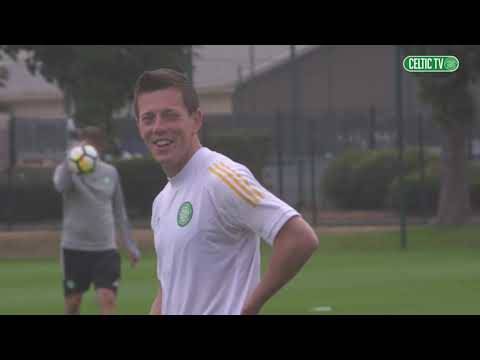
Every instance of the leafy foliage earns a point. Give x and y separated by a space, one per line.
98 78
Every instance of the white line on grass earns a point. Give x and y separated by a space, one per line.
322 308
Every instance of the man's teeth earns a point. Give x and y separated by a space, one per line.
162 142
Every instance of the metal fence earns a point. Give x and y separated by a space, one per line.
41 141
301 150
304 146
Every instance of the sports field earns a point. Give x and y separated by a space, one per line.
359 272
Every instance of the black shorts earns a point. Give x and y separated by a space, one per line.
81 268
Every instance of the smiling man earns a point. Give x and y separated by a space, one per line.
209 218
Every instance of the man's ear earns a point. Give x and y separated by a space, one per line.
198 119
137 123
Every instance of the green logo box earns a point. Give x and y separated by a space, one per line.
438 63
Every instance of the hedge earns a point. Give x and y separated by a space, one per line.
361 179
35 199
245 146
142 179
416 193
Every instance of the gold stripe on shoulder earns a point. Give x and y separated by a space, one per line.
239 184
241 178
224 179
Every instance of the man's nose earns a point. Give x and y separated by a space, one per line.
159 125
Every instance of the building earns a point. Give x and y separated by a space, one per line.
39 111
28 96
333 78
216 99
37 107
324 100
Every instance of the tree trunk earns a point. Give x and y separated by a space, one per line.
454 204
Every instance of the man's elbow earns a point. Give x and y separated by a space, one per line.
311 243
308 241
57 187
299 235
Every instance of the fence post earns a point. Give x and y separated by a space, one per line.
421 159
372 128
10 173
400 142
280 144
300 159
312 136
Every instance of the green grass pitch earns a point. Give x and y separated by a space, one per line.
350 274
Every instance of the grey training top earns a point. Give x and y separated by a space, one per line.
92 205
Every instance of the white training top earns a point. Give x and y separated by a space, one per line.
207 223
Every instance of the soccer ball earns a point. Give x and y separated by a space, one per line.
82 159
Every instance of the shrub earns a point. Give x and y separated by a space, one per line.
142 179
361 179
248 147
429 192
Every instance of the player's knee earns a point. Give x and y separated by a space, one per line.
72 303
107 298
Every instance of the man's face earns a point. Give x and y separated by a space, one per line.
167 128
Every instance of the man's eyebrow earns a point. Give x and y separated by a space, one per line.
169 110
146 113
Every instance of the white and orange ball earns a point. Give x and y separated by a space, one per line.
82 159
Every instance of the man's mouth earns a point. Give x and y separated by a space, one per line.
162 143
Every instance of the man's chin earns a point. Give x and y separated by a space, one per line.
162 159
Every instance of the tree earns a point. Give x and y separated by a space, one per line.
3 81
98 78
450 95
3 75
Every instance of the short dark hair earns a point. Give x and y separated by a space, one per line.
94 134
165 78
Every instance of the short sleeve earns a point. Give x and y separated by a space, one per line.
152 222
245 204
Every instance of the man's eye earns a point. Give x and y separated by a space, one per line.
147 120
171 116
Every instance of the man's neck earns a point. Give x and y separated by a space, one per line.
174 170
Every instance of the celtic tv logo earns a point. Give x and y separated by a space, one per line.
444 63
185 214
451 64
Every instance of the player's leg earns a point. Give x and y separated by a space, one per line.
72 304
75 279
106 277
107 300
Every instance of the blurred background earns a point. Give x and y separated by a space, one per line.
358 145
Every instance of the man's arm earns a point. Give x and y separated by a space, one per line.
156 308
294 244
121 219
62 178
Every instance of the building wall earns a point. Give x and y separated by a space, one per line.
216 104
216 100
52 108
339 78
